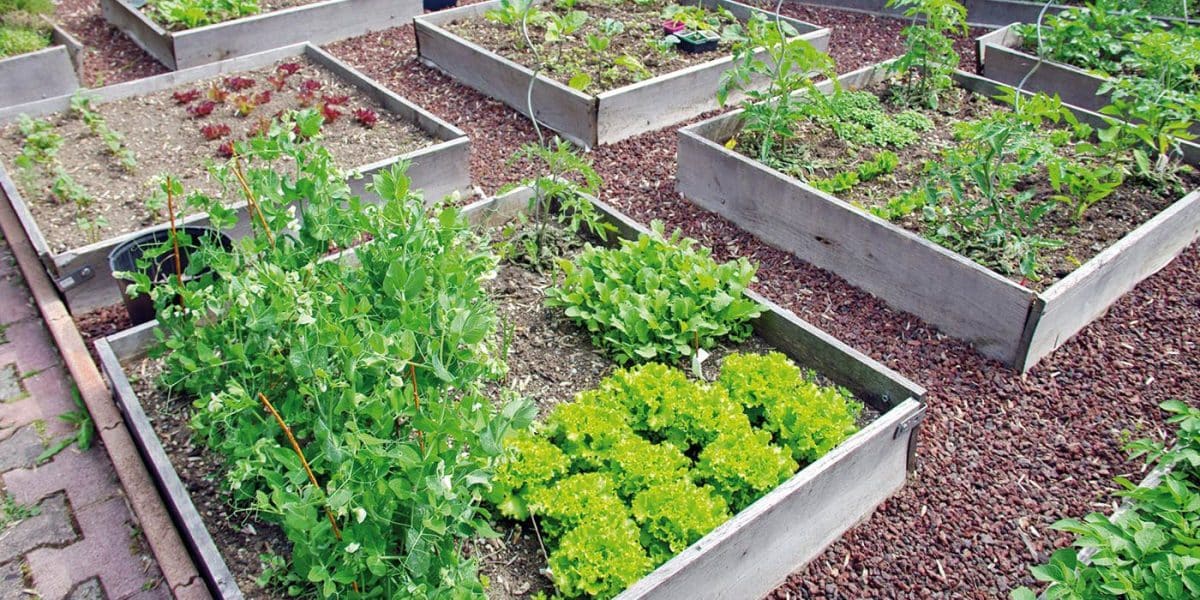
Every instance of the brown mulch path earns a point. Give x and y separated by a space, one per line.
110 56
1002 455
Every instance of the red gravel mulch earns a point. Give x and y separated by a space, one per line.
1002 455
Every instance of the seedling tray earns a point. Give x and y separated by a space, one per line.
983 13
747 556
49 72
1004 320
583 118
83 274
318 23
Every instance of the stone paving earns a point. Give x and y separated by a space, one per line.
66 530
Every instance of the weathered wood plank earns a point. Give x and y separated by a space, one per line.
985 13
1085 295
37 75
1001 59
175 495
317 23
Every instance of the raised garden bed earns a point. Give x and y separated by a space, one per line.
52 71
315 22
147 113
746 556
1008 320
984 13
585 118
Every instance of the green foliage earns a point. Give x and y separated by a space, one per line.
22 28
12 512
806 418
599 559
656 298
698 18
742 465
376 367
81 106
38 162
1151 550
188 14
859 118
629 444
82 437
770 114
884 163
16 40
675 514
929 60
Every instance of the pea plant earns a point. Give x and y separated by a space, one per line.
770 113
927 66
343 392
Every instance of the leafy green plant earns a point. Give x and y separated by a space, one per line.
599 559
370 363
675 514
929 60
530 462
656 298
742 465
189 14
38 162
770 114
22 28
81 106
82 437
1148 551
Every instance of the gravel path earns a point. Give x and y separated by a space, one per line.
1002 455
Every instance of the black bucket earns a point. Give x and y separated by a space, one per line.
438 4
125 257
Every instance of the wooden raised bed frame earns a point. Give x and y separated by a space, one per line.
1004 320
983 13
745 557
83 274
584 118
51 71
317 23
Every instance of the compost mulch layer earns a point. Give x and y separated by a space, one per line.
1002 456
110 56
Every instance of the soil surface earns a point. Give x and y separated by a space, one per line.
239 536
109 55
819 153
166 139
1002 455
562 60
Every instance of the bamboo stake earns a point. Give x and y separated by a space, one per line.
174 234
412 371
237 171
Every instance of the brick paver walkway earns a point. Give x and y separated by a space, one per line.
66 530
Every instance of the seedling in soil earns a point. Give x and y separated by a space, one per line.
186 97
244 105
330 112
214 131
310 85
289 69
278 82
216 94
115 143
337 100
202 109
238 84
262 97
366 117
225 150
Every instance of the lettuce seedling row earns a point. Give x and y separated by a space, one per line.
1003 319
317 23
439 166
984 13
743 558
46 73
584 118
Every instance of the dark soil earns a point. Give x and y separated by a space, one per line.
239 536
563 60
819 153
167 139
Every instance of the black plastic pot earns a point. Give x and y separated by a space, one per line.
125 257
438 4
696 42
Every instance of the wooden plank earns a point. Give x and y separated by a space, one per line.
760 546
46 73
1086 294
984 13
147 34
132 343
75 49
567 111
755 551
317 23
908 272
1002 59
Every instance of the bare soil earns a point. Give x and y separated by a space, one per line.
564 59
819 153
166 139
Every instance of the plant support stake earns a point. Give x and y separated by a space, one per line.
174 234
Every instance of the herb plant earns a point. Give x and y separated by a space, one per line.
656 298
374 361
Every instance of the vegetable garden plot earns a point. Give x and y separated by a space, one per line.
876 245
744 557
183 33
488 56
169 123
41 73
997 13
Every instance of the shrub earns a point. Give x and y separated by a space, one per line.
674 514
656 298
